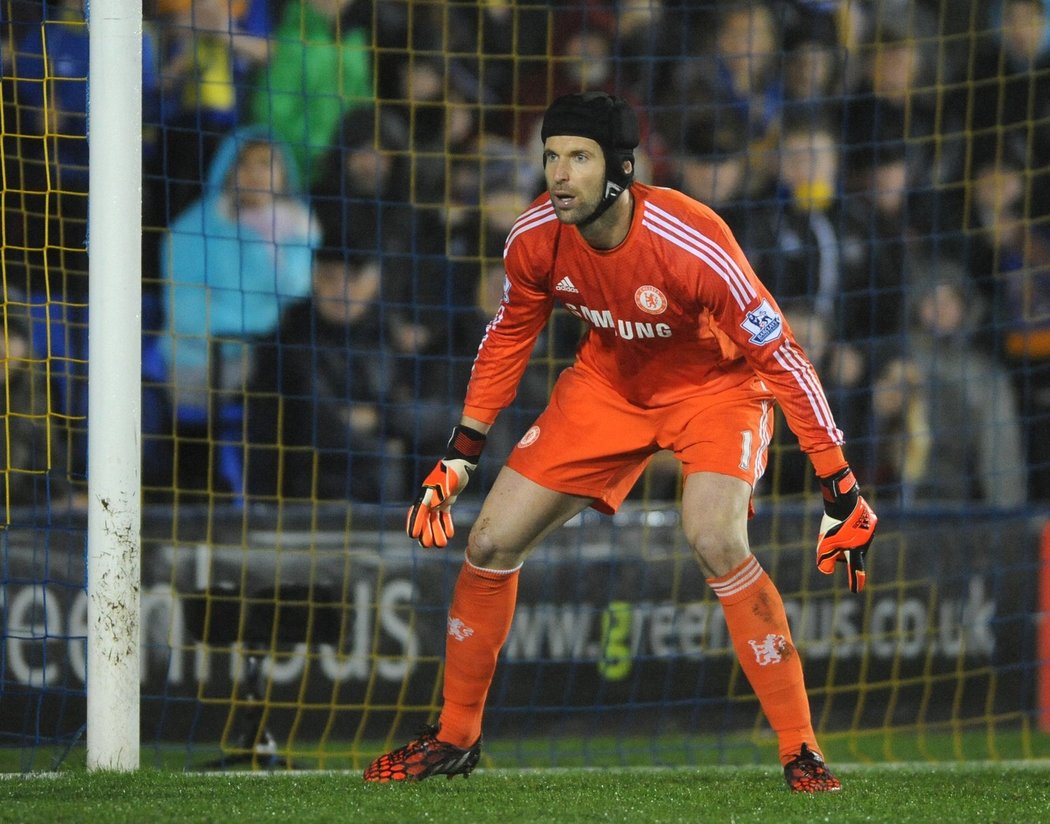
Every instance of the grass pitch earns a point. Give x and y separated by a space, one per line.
976 791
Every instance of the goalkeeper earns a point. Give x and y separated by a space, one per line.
685 350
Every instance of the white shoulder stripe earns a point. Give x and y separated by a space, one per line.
542 206
529 220
546 207
688 238
715 263
702 240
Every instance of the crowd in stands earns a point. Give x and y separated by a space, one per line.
328 185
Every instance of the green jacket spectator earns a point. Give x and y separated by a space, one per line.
320 67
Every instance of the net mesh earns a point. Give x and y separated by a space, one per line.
326 200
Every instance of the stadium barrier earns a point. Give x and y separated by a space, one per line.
315 638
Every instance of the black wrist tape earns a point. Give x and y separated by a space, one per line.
840 493
465 444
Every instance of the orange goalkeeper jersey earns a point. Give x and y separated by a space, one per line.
675 310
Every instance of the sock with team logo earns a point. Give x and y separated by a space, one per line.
758 626
479 621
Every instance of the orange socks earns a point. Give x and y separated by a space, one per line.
758 626
482 610
479 621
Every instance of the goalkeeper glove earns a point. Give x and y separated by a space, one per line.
429 519
847 528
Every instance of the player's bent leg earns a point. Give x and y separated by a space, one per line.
714 516
517 514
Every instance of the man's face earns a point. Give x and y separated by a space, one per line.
1024 28
889 186
714 182
574 168
343 293
747 43
367 170
808 159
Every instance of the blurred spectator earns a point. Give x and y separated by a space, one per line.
46 194
320 426
884 251
231 261
844 376
895 104
363 201
793 238
726 62
320 67
491 47
34 455
947 418
813 64
209 49
438 121
639 26
581 60
901 433
1004 95
1011 259
50 65
712 166
584 59
362 194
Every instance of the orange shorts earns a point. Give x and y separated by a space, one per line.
590 441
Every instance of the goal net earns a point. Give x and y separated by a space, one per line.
326 200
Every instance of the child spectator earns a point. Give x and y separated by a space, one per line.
230 262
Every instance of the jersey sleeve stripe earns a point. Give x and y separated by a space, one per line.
701 240
806 378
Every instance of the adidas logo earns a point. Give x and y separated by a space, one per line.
565 285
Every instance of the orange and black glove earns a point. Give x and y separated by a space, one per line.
429 518
847 528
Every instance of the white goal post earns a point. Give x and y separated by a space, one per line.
114 382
